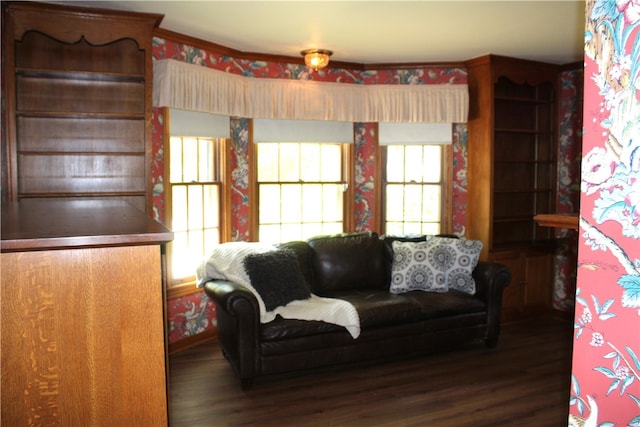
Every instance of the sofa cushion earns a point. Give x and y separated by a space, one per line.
437 264
347 261
283 329
380 308
388 248
412 268
276 277
301 249
465 254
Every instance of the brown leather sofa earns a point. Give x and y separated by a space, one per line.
355 267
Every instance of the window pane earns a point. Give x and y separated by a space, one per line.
412 202
331 228
395 163
394 202
269 203
431 228
211 207
332 202
179 214
289 162
331 161
312 203
310 229
289 232
190 160
412 228
291 203
432 163
175 156
395 228
309 159
195 210
413 163
431 203
268 165
196 245
270 233
205 163
211 239
180 255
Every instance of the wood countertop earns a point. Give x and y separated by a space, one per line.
558 220
36 224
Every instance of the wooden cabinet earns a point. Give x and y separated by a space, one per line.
83 322
530 290
83 341
512 171
77 86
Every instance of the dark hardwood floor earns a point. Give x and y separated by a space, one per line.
524 381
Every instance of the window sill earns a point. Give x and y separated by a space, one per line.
182 289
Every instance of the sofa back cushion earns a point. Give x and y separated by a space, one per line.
347 261
301 249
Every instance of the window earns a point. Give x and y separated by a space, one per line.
414 189
300 190
194 198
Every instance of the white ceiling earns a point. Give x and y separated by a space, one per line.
375 32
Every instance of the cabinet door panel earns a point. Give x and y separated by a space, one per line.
539 282
512 298
85 330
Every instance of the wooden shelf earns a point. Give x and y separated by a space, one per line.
570 220
524 131
526 100
79 115
80 75
56 224
511 175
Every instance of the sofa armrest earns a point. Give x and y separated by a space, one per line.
238 324
491 278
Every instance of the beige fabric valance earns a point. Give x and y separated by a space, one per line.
191 87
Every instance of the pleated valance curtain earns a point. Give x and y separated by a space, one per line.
196 88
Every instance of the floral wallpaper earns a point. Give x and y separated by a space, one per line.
605 382
459 196
365 154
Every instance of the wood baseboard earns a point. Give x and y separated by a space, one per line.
193 340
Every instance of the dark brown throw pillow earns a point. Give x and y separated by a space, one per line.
277 278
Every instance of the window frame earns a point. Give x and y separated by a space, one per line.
348 169
446 187
186 285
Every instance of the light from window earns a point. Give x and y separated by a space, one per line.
300 189
413 189
195 203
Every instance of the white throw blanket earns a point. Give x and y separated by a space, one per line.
226 263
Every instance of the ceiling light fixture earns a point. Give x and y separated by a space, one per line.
316 58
